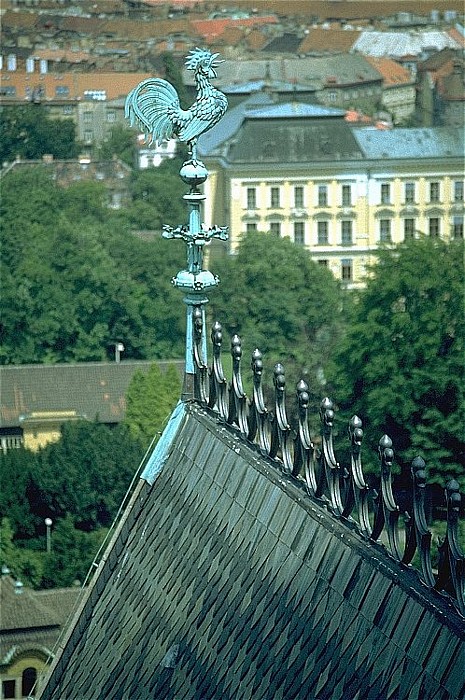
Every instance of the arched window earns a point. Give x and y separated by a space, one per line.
28 681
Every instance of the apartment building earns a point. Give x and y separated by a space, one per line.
303 172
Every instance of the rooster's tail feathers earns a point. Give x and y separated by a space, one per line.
150 105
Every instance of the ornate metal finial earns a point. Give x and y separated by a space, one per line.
154 106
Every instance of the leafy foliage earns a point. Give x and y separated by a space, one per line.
401 363
278 300
75 279
78 482
150 398
28 132
86 473
120 143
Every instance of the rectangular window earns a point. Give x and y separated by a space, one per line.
111 117
385 193
434 227
88 136
346 196
322 262
9 689
251 198
67 109
274 192
322 195
251 227
299 197
8 90
434 192
385 230
457 227
87 117
346 270
322 232
346 232
458 191
62 91
275 229
299 232
409 228
409 193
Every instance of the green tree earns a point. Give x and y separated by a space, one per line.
29 132
86 473
25 564
173 74
120 143
150 398
400 367
73 552
278 300
17 492
157 197
111 284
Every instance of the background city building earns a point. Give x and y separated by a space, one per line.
341 191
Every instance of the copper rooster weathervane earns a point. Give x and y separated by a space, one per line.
154 107
154 104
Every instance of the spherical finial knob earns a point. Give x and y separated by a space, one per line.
193 173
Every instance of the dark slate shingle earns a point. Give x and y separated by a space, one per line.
253 611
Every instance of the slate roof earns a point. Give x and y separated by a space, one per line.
294 133
438 142
224 581
286 43
315 71
90 389
297 131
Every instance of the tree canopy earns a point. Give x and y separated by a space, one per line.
75 278
27 131
150 398
280 301
79 482
401 365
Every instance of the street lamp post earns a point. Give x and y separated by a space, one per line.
48 525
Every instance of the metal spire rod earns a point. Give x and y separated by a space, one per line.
154 106
195 280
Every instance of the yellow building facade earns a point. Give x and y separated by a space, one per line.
390 186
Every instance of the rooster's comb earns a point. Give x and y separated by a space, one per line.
201 56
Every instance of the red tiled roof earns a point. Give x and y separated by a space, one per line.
256 39
330 40
213 28
457 36
114 84
19 20
393 73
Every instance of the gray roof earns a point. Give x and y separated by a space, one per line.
91 389
399 44
223 581
32 618
230 123
437 142
295 110
293 131
259 85
346 68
